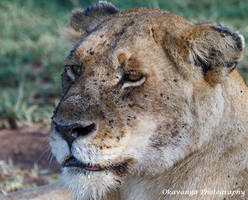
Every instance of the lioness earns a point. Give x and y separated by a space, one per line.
152 108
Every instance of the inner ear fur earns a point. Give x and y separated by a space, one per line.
83 22
212 48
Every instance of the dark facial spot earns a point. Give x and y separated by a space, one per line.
92 73
87 97
90 51
129 118
101 147
153 35
102 115
111 121
115 92
121 169
118 138
174 133
107 74
145 95
126 95
101 36
241 91
120 33
168 98
175 80
161 94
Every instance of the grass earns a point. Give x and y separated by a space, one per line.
31 58
13 179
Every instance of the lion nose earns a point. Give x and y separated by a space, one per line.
70 132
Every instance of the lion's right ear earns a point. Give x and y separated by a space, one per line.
212 50
84 21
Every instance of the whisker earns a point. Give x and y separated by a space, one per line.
51 158
42 154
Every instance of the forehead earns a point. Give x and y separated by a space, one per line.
129 32
116 31
106 43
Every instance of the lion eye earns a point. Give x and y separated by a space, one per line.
76 69
132 76
73 71
133 79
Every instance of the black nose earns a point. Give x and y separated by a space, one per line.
72 131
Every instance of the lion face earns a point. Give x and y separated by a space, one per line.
133 93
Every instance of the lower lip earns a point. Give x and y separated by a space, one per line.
72 162
76 163
92 168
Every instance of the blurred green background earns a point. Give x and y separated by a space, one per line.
32 51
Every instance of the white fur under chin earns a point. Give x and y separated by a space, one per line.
84 185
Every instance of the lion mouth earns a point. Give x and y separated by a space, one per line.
73 162
120 168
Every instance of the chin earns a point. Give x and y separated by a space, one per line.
84 185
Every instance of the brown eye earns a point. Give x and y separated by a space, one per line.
76 69
133 76
73 71
133 79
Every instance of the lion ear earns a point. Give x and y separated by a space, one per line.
212 48
84 21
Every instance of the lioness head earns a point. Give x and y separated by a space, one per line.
141 90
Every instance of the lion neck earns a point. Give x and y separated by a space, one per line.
209 169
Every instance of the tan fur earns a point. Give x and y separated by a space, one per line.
182 127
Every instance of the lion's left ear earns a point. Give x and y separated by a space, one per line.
212 48
84 21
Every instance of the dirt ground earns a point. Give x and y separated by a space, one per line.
25 158
27 146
